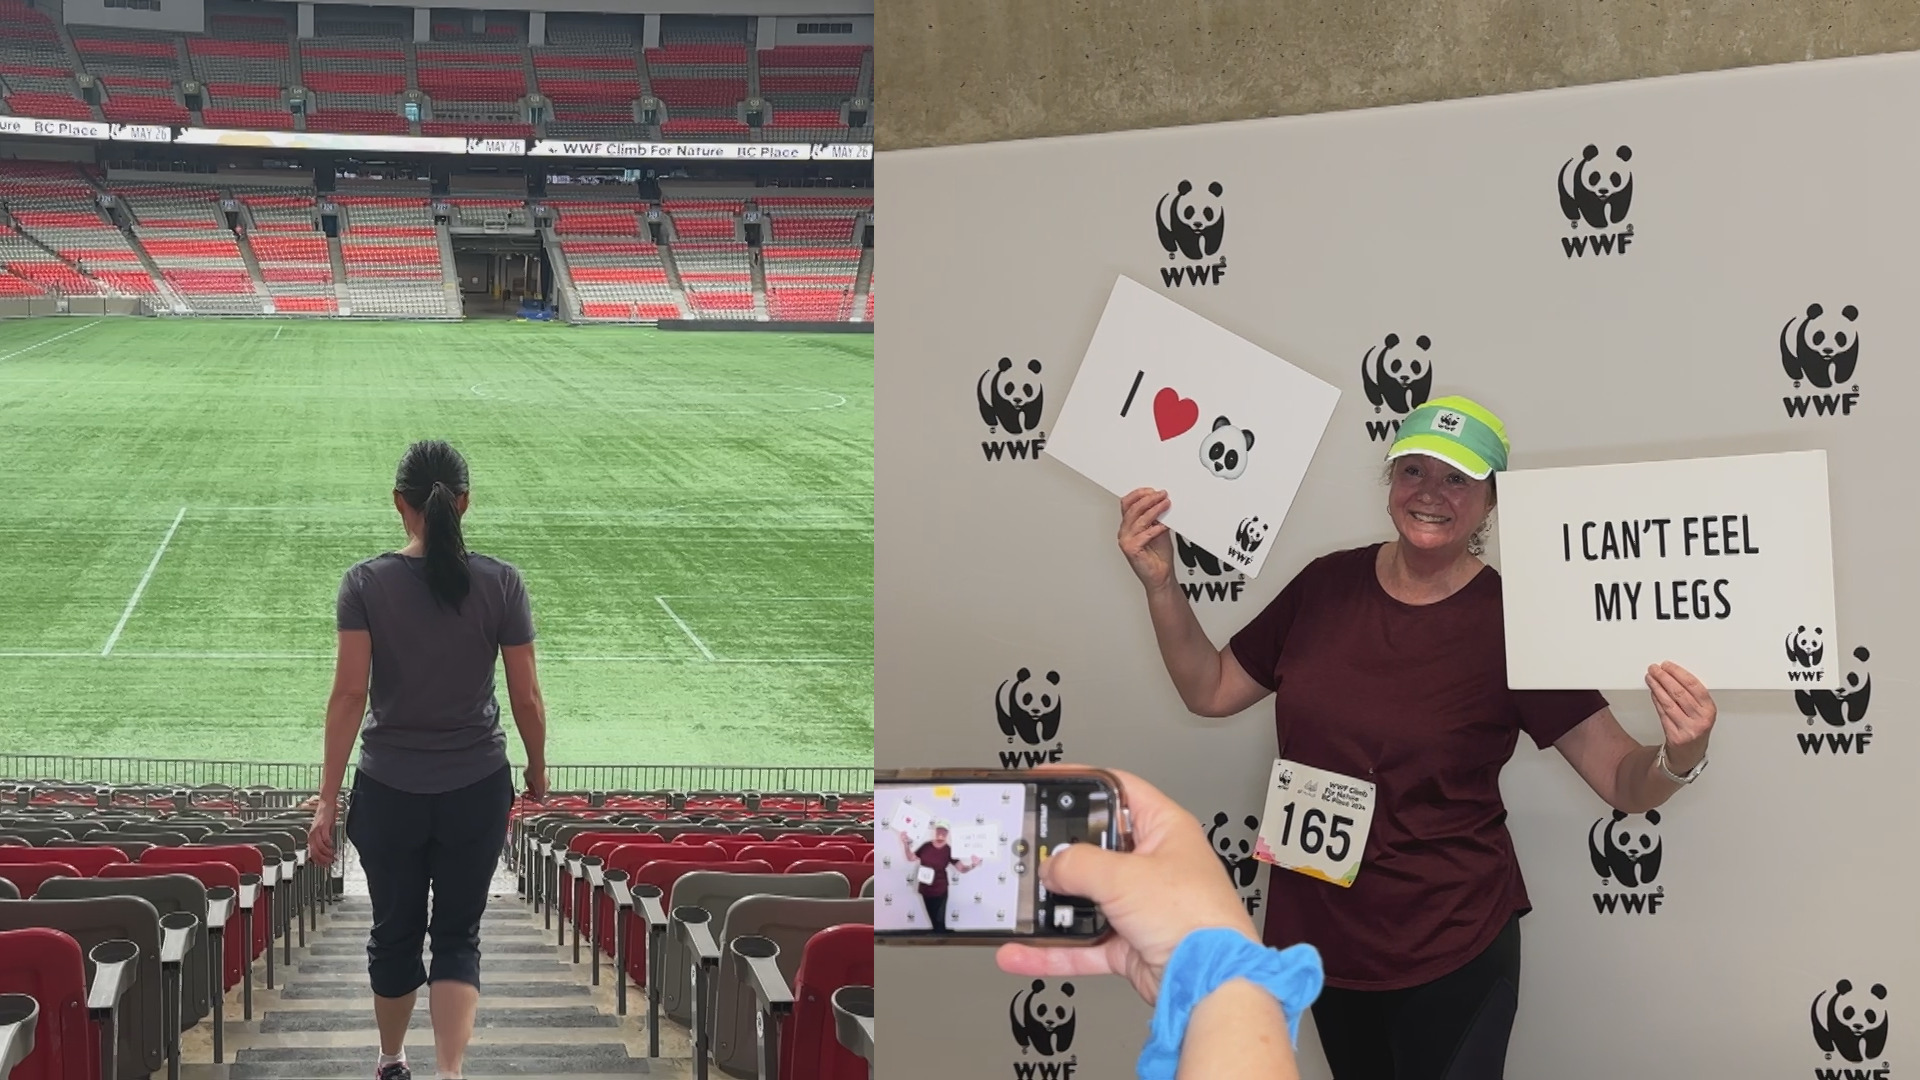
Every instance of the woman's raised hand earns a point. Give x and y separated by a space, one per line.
1147 544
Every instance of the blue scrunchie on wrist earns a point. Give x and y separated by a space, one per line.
1201 963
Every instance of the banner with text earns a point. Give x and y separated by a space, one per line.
1722 565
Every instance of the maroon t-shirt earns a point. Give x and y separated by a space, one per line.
1413 698
937 859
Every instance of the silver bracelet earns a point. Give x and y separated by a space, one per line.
1693 774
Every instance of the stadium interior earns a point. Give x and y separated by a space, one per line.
376 162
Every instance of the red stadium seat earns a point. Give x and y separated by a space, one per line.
88 860
210 874
243 858
29 876
809 1044
664 873
48 966
856 873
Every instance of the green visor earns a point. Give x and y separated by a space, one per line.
1459 432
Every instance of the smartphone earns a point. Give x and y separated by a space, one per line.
957 854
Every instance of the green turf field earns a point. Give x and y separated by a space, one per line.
693 514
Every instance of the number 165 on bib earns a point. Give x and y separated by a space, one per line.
1316 822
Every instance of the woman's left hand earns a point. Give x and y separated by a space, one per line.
1686 713
320 833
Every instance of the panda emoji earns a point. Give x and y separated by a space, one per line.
1029 708
1251 534
1043 1019
1223 453
1195 557
1397 383
1235 848
1854 1028
1822 350
1597 188
1806 649
1193 226
1627 855
1011 400
1843 706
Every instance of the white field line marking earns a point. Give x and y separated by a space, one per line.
684 628
276 332
144 578
26 654
50 340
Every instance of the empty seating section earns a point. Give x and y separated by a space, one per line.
219 887
699 71
185 233
620 280
356 84
717 277
589 69
391 251
246 68
139 69
55 210
34 67
805 86
291 252
476 89
811 256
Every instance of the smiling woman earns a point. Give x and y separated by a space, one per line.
1387 666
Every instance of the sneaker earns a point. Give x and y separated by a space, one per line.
396 1071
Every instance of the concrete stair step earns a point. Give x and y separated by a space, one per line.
561 1016
316 989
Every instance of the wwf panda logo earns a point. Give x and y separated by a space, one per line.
1234 847
1805 648
1597 189
1820 349
1192 225
1011 400
1251 533
1629 855
1842 706
1029 708
1043 1019
1223 453
1396 382
1194 557
1855 1027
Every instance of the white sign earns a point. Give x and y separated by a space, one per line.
679 151
843 151
309 140
975 842
52 129
1721 565
1165 399
1316 822
515 147
141 133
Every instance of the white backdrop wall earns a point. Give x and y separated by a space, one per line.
1755 194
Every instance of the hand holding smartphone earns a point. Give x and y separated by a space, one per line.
962 863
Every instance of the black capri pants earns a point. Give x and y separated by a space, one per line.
1453 1028
449 843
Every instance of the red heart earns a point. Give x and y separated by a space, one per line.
1173 414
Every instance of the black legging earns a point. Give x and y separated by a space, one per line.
1453 1028
936 911
409 842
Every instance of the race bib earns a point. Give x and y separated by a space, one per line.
925 876
1315 823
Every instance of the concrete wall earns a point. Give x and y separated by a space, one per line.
179 16
1014 69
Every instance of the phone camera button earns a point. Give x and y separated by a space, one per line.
1020 847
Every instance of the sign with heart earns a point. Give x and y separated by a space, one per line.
1165 399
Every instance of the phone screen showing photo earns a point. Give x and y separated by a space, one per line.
962 858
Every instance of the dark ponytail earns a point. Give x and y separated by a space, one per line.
431 478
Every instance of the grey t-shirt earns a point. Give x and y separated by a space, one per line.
432 721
